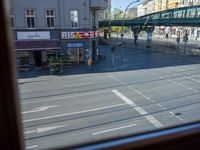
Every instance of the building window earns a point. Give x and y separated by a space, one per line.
30 18
74 18
12 19
50 15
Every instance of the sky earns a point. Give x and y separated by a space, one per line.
122 4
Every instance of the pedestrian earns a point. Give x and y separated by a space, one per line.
135 39
122 35
89 63
178 41
113 49
113 55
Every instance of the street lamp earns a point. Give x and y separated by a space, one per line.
122 34
125 15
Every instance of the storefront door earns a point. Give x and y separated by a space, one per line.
37 55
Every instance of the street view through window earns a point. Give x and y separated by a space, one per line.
90 70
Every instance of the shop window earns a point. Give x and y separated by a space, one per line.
74 18
30 18
50 18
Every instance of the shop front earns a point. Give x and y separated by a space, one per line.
35 54
33 48
76 45
75 51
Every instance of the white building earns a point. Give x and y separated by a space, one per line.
148 6
140 10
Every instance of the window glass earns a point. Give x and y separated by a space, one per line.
198 12
30 18
191 13
50 18
74 18
155 16
166 15
178 14
82 80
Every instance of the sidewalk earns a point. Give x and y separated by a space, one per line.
103 65
160 44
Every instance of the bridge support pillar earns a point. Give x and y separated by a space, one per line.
136 30
149 31
105 33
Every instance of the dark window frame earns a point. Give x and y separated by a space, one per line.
30 18
183 136
50 18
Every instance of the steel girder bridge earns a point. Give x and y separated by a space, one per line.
184 16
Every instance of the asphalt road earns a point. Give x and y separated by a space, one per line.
156 90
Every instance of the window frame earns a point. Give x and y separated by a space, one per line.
30 16
50 16
188 15
10 116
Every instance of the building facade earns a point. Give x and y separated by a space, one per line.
140 10
106 14
55 27
131 13
148 6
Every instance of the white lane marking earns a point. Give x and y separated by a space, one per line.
182 85
116 79
198 76
30 147
194 80
79 84
114 129
140 93
161 106
44 129
176 116
39 109
124 98
64 97
25 91
73 113
29 132
154 121
140 110
150 118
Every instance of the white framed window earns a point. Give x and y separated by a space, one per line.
30 18
12 19
50 18
74 18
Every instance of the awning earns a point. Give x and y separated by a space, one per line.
37 45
